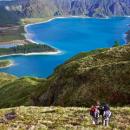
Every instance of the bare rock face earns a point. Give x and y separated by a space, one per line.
92 8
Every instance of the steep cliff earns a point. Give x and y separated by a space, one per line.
92 8
49 8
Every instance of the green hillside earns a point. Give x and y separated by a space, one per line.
16 92
6 78
102 74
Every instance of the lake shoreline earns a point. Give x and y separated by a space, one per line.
7 66
29 54
54 18
29 40
48 63
64 17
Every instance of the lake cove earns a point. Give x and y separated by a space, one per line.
70 36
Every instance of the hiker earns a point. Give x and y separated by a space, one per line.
94 112
106 115
101 109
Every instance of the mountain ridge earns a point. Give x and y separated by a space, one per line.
17 9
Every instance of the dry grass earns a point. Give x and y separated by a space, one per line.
58 118
33 20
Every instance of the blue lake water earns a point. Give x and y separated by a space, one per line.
71 36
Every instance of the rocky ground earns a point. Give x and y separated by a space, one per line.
58 118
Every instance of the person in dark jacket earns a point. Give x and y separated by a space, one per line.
106 115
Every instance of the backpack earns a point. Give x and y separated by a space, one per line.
94 112
107 114
101 110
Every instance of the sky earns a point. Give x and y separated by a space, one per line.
5 0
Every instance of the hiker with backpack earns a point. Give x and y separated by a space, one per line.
104 111
106 115
94 112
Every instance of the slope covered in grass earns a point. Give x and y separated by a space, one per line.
6 78
102 74
97 75
17 92
58 118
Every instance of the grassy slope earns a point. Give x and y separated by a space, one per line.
58 118
17 92
98 75
101 74
6 78
66 86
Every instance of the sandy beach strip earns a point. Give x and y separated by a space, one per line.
58 52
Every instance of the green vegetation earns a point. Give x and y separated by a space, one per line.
102 75
18 91
6 78
116 44
27 48
58 118
85 54
5 63
10 33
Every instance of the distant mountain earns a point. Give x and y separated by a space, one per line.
45 8
8 16
92 8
